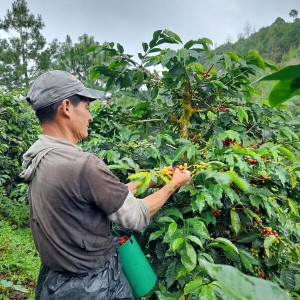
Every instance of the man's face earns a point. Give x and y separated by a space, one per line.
80 120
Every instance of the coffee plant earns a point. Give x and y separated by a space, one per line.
233 233
18 130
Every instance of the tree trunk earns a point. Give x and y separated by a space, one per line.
187 111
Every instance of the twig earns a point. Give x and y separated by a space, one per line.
149 120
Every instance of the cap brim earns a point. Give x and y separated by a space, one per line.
91 93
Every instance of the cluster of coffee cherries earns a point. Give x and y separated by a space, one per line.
263 178
206 74
196 107
254 252
222 108
264 159
268 231
216 211
260 274
257 221
123 239
169 171
227 142
256 146
251 161
201 166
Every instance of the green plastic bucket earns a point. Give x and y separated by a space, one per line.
136 268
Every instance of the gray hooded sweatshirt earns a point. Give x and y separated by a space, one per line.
72 195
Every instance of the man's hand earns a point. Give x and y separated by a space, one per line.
180 178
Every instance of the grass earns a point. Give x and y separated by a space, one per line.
19 262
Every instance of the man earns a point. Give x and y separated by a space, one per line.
73 195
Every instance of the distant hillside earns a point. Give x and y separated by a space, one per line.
271 42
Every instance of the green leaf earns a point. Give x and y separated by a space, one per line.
20 288
235 221
227 59
120 48
6 283
269 241
189 257
163 294
198 202
248 237
155 235
145 46
248 260
287 153
168 138
236 285
144 184
174 212
172 228
288 133
224 244
165 220
217 192
255 58
208 198
198 227
293 206
171 273
233 196
192 286
195 240
191 152
179 152
240 182
207 292
198 67
288 279
283 91
241 113
255 200
176 243
233 55
290 72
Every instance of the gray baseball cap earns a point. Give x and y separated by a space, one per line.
54 86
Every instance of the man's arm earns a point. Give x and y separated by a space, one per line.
132 187
135 213
158 199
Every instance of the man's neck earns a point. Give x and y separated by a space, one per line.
59 132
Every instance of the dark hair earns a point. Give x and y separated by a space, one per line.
47 114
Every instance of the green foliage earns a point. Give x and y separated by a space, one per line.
243 287
198 111
78 58
272 42
287 87
19 261
18 130
23 55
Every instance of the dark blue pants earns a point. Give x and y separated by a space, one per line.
107 282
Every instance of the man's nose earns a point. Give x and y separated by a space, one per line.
90 118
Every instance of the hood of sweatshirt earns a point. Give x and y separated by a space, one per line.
38 150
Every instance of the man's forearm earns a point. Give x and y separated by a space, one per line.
158 199
132 187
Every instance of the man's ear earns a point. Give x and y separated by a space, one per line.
65 108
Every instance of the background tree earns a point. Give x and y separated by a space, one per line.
77 59
22 55
293 14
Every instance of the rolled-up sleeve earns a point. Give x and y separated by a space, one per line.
133 214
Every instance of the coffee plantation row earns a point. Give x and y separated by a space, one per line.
233 232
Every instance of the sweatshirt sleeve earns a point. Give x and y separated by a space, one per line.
100 186
133 214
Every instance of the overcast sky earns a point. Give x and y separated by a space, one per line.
131 22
